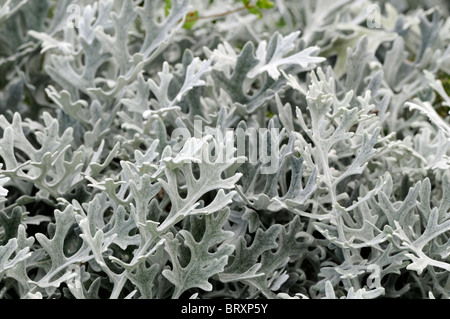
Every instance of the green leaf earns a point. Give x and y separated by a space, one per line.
191 20
265 4
255 11
281 23
167 7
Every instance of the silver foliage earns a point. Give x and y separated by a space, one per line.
119 178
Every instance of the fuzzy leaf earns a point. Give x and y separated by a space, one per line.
202 264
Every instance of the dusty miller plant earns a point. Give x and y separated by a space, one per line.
119 177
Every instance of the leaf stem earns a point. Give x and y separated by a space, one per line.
220 15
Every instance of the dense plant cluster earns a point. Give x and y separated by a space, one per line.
224 149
